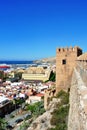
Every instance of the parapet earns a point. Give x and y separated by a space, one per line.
69 49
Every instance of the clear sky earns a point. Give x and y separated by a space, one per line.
33 29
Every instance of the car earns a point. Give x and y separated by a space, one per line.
10 126
19 120
27 116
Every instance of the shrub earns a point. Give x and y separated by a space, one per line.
36 108
64 96
60 114
3 124
11 116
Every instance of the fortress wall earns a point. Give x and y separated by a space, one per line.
83 71
78 103
72 73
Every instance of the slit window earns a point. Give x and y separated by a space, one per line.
63 61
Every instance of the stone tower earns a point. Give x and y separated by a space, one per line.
65 63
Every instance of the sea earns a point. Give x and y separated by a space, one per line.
15 64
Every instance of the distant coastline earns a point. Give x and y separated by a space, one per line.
51 60
15 62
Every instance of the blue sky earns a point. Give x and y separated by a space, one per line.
33 29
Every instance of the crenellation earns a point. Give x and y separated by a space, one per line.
69 49
62 49
66 49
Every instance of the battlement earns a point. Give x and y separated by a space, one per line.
69 49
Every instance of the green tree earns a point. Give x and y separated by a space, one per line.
1 74
2 124
52 76
36 108
18 75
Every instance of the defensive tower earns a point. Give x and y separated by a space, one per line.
65 63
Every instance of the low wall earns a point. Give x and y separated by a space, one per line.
78 103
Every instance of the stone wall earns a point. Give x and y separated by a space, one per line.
81 68
78 103
49 93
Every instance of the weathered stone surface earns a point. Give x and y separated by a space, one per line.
43 121
78 104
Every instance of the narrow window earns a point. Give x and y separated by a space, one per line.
63 62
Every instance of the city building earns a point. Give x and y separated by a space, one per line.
36 73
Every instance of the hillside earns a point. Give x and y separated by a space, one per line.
56 116
46 60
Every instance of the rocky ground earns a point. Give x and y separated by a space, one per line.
43 121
